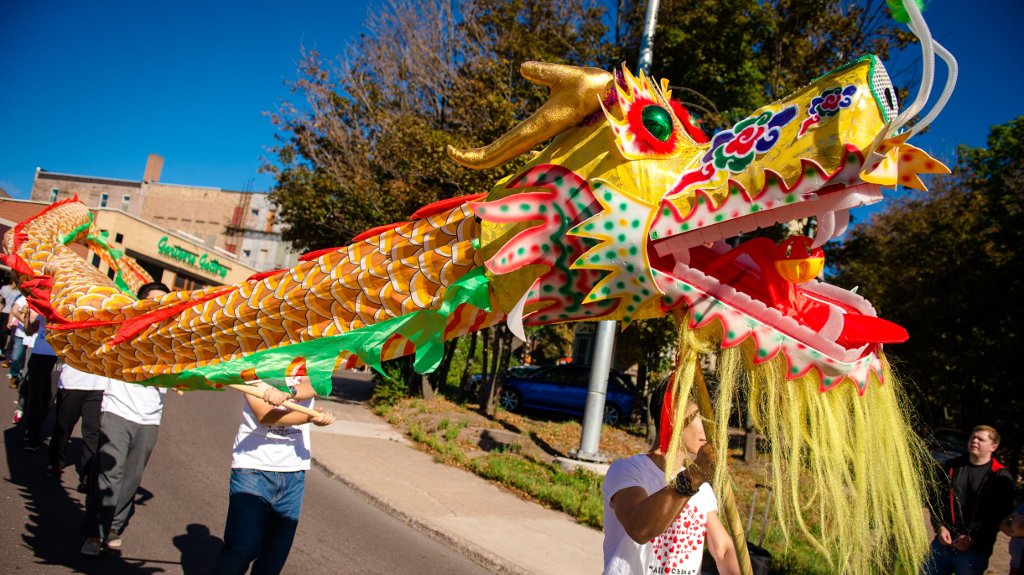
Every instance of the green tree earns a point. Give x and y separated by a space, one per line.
946 265
367 145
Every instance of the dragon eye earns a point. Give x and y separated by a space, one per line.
658 122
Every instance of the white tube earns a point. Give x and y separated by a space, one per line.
947 91
919 27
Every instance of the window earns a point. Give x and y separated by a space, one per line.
255 212
111 273
246 253
119 238
103 200
96 260
125 200
53 194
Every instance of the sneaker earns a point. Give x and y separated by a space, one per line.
114 541
17 417
92 547
31 446
13 383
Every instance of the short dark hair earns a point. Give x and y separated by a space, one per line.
152 286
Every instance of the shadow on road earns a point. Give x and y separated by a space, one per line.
198 549
54 515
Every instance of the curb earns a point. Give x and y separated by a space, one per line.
478 555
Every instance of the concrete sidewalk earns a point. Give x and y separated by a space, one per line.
495 528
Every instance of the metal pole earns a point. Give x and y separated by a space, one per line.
593 414
601 358
647 40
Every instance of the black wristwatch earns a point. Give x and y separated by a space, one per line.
683 486
294 390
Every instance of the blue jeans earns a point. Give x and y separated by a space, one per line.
263 512
945 559
17 359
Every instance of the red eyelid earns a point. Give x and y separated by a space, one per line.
648 142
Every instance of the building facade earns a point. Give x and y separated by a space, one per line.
179 260
244 224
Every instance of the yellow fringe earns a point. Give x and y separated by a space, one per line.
846 469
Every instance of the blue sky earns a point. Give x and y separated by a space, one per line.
93 87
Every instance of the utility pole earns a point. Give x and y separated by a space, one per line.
604 342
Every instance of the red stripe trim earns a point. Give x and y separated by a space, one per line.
309 256
134 326
265 275
377 231
444 205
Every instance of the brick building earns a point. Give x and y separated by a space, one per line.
243 224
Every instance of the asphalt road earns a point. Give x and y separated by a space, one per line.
182 505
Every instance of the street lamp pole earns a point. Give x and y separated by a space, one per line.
604 343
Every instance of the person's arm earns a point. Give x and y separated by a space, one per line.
31 321
273 396
721 547
269 415
646 516
1013 525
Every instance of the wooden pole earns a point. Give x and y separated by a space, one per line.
728 499
250 390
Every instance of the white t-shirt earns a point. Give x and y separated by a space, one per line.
71 378
271 447
19 330
142 404
10 294
677 551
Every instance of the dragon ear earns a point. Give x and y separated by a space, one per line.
575 94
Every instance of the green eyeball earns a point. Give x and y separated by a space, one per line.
658 122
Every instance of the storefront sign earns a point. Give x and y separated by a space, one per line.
202 263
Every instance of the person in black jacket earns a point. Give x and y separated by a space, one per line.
975 494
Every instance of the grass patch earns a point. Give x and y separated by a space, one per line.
577 493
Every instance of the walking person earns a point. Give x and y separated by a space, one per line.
269 461
16 356
8 293
39 394
79 396
129 423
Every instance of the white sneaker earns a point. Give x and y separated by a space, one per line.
114 541
92 547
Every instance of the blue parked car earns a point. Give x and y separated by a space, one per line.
563 389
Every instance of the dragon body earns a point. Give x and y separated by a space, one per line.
623 215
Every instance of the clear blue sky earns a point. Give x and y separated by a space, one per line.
93 87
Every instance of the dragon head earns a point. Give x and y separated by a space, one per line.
631 212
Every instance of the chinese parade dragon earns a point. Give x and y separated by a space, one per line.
624 215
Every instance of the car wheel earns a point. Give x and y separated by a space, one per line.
510 399
612 414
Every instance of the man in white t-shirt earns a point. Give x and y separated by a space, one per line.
652 528
9 292
129 424
79 396
268 472
16 357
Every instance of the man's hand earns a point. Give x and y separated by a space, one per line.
944 536
963 543
275 396
703 468
323 418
